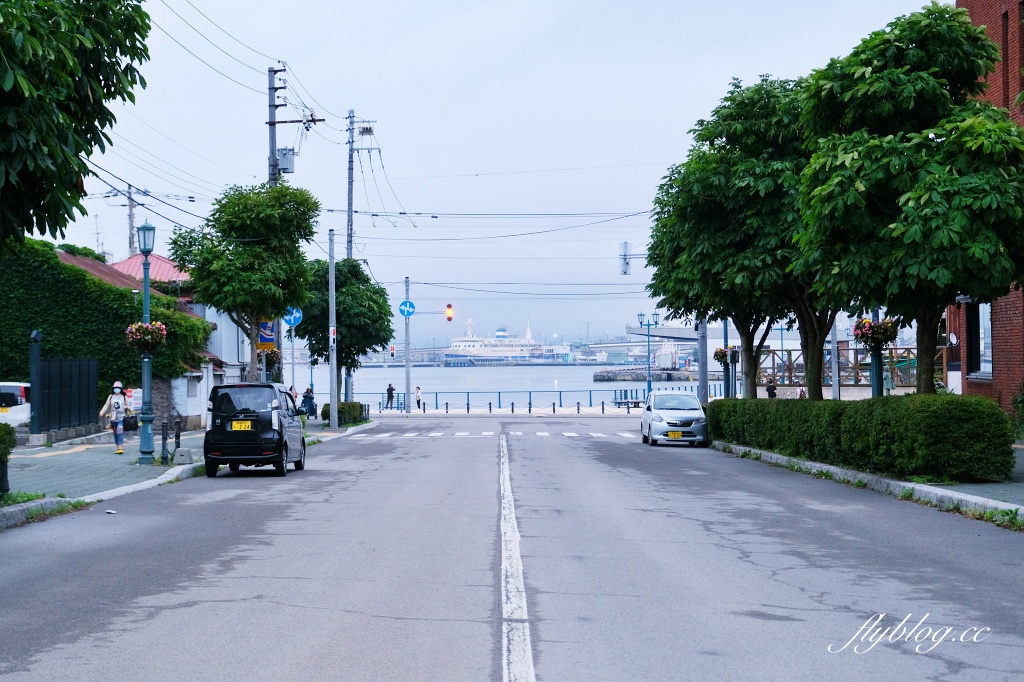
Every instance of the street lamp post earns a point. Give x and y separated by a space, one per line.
648 325
147 239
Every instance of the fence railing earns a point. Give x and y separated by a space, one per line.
64 394
590 401
786 367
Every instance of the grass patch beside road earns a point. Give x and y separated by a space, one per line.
13 498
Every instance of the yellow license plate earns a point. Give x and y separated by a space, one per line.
241 426
4 410
675 434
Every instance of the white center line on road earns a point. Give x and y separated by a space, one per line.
434 435
598 435
516 651
626 435
571 435
543 433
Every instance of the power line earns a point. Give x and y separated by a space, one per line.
96 165
306 90
524 172
181 170
231 36
152 172
497 236
201 35
171 139
258 92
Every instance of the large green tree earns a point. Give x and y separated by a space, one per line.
247 259
61 64
363 314
724 224
914 189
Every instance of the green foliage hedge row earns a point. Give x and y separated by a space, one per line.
8 440
943 436
348 413
82 316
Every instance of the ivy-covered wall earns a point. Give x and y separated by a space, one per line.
82 316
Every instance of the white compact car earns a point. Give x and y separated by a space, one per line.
14 403
673 417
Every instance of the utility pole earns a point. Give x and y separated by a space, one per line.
333 331
273 169
408 361
366 128
835 364
131 223
702 360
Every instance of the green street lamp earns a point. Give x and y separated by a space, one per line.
147 240
653 323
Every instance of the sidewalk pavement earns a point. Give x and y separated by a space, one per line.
87 469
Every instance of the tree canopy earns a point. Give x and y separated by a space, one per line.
246 260
914 189
363 314
725 218
61 64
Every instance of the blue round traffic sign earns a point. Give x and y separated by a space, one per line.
406 308
292 317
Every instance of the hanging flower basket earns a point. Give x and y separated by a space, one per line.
145 338
871 334
273 357
721 355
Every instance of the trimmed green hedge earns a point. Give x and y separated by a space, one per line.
8 439
348 413
942 436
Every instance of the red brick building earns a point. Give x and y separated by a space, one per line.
992 336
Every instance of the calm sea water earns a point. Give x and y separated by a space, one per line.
541 384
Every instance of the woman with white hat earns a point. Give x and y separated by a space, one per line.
115 407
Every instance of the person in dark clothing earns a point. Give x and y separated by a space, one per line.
309 403
391 396
770 388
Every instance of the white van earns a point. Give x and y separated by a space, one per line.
14 403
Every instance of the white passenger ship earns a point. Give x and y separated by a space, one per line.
502 349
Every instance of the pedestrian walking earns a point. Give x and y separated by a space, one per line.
417 397
295 394
391 396
309 403
887 382
115 408
770 388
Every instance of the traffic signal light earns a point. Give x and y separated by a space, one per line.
392 351
449 313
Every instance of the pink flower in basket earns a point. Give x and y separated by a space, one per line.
881 333
146 338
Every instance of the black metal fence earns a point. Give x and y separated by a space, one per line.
64 394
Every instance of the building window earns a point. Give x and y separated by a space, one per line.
193 387
979 333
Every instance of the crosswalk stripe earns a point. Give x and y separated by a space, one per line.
383 435
361 435
410 435
571 435
435 435
543 433
598 435
626 435
462 433
515 433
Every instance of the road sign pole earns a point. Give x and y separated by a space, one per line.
408 365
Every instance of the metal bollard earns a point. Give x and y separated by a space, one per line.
424 407
602 407
513 408
489 407
529 408
164 455
177 434
446 407
552 407
577 407
467 408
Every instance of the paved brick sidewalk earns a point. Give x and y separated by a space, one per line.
85 469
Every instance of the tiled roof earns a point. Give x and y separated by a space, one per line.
104 272
161 269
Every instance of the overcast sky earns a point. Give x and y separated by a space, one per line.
549 123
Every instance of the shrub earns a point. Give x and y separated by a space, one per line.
348 413
939 436
8 439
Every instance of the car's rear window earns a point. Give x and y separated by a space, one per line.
676 402
9 398
231 399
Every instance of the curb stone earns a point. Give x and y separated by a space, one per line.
940 497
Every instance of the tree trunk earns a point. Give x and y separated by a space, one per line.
927 340
254 363
750 349
814 329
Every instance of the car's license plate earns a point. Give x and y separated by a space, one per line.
4 410
241 426
675 434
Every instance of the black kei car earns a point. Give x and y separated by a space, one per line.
254 425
